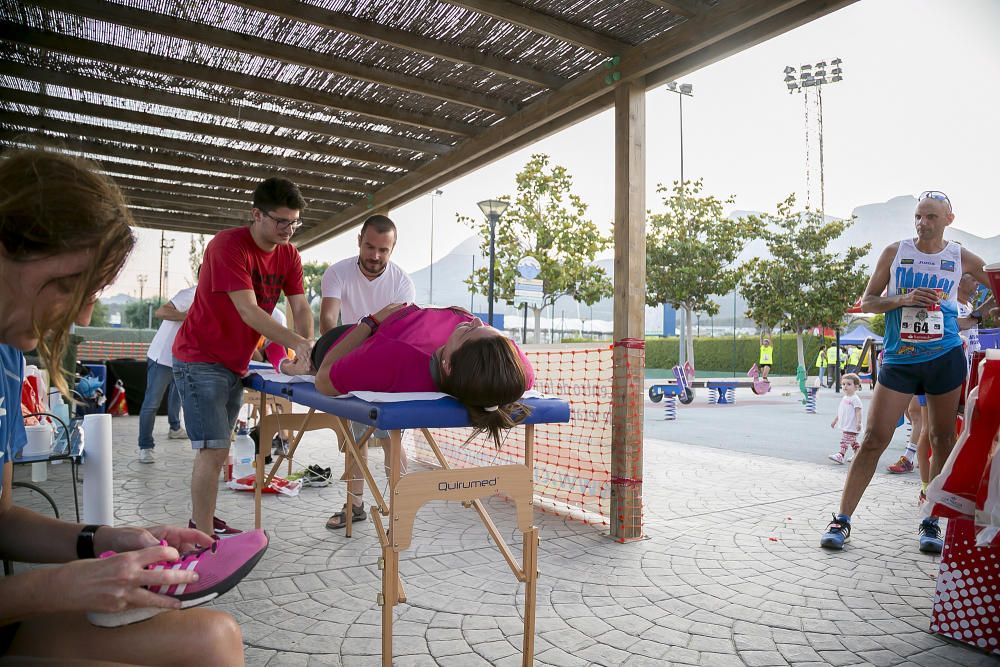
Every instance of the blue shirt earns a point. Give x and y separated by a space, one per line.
12 434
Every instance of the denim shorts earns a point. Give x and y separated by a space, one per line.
937 376
358 429
212 396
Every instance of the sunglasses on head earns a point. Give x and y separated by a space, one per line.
933 194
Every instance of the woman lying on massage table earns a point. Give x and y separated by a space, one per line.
405 348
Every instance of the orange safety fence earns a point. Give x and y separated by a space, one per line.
101 350
572 460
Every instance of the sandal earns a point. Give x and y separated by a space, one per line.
339 520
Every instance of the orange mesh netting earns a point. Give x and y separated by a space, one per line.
572 460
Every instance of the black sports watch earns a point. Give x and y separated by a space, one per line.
369 322
85 541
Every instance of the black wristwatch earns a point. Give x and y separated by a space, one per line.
369 322
85 541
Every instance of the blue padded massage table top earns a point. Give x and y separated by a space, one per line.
441 413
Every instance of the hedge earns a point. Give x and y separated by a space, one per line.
716 354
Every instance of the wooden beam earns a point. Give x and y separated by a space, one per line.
53 103
195 203
686 39
159 209
231 111
122 172
685 8
629 311
205 222
202 206
369 112
175 225
756 34
545 24
343 22
179 28
174 160
150 140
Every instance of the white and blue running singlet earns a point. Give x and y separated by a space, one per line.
914 334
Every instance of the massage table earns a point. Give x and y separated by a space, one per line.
408 493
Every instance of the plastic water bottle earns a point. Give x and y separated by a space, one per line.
243 453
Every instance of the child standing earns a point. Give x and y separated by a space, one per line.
849 417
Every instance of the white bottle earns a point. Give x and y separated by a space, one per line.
243 454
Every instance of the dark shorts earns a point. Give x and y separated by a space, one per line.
325 342
934 377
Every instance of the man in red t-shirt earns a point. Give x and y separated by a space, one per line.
243 273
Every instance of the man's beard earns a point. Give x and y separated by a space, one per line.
378 269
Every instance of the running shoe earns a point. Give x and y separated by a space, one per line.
177 434
930 536
317 476
837 533
837 458
146 456
219 527
220 567
903 465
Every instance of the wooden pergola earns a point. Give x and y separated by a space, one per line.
366 104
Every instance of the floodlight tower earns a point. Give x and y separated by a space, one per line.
810 79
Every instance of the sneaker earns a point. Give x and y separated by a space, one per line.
317 476
837 533
177 434
930 536
922 498
146 456
219 527
837 458
219 566
903 465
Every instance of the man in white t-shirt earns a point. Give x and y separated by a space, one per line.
353 288
160 375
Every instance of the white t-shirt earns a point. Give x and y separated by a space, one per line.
163 342
847 418
360 296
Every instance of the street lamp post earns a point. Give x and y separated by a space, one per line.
430 297
682 89
492 209
142 284
166 246
810 79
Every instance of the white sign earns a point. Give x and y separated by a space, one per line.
528 267
529 291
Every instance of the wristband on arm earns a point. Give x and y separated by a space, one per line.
370 322
85 541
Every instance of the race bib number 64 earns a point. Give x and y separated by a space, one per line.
921 324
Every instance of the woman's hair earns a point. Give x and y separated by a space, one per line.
52 204
488 377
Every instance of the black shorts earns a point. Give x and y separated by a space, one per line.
325 342
937 376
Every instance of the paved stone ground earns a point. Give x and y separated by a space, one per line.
730 573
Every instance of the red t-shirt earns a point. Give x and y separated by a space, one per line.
213 330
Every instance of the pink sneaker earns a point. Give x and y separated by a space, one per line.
837 458
900 467
220 566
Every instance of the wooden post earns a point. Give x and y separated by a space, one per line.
629 310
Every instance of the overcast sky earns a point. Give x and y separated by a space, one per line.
916 111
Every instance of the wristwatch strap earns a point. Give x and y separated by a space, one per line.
369 322
85 541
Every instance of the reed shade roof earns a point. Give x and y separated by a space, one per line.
366 104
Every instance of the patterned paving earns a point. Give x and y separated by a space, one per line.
730 573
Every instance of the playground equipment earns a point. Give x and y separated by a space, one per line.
680 390
760 385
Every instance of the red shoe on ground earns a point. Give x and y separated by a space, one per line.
903 465
219 527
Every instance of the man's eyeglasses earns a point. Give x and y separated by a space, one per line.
933 194
282 223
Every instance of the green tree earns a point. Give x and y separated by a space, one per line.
802 284
547 221
99 318
195 254
136 315
877 324
313 278
690 253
